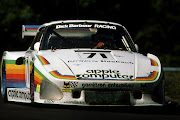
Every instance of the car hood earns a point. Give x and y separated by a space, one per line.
90 64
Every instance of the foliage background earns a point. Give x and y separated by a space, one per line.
153 24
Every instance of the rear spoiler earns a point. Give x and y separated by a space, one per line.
29 30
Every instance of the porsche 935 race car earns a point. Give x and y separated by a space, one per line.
81 62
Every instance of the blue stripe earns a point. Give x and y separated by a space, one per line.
32 26
20 85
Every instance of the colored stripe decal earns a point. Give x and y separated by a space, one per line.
15 71
153 62
31 28
15 74
56 74
153 75
15 81
38 76
22 85
13 66
43 60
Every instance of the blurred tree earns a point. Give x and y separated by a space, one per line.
154 24
160 32
12 14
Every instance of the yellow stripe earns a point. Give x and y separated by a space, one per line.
13 66
37 75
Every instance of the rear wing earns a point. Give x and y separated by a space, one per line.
29 30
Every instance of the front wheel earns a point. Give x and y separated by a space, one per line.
158 93
32 86
3 81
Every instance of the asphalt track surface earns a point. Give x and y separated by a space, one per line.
18 111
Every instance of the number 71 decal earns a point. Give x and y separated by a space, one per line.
95 55
91 55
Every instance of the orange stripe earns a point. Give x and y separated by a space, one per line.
15 71
15 76
37 79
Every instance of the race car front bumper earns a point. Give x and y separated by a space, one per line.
88 93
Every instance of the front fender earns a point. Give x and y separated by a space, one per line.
148 68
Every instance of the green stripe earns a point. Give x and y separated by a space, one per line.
10 61
156 75
39 59
40 73
31 30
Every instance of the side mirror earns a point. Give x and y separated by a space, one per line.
36 46
137 48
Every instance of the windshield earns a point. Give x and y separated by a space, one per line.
85 35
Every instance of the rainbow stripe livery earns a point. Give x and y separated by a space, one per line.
31 28
43 60
56 74
153 75
38 76
153 62
15 74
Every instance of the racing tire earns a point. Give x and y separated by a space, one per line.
3 77
158 94
32 85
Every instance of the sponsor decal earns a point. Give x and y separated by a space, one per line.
82 61
74 26
114 61
70 84
103 74
49 101
75 102
17 94
66 85
105 26
107 85
66 90
102 61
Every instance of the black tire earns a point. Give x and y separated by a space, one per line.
159 93
32 86
3 90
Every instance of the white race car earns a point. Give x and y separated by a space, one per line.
81 62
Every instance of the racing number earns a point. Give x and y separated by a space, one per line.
91 55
